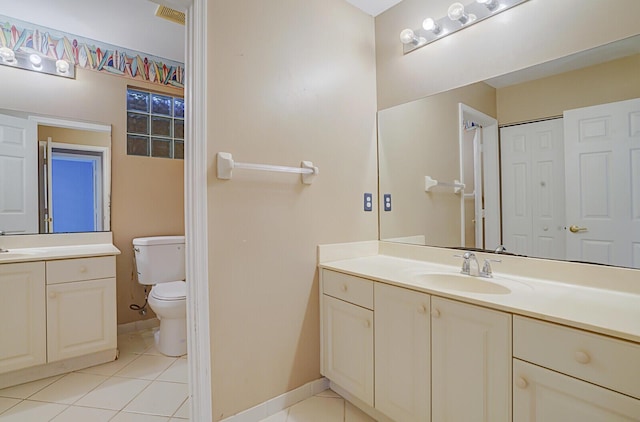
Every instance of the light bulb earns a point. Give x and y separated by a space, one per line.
407 36
491 4
62 66
35 60
456 13
7 55
430 25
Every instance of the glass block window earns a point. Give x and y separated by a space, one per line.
155 125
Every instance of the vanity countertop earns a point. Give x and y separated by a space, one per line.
600 310
49 253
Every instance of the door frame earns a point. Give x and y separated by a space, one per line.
196 228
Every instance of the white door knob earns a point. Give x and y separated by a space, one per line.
435 313
367 323
422 309
521 382
582 357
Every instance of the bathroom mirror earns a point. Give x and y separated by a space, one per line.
56 175
440 136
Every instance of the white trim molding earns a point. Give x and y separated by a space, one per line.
71 124
197 255
283 401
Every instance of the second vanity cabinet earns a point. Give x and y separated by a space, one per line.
54 311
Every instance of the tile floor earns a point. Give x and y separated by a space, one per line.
324 407
141 386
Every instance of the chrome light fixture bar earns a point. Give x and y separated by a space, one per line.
458 17
36 62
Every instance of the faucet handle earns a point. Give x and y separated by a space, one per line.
486 268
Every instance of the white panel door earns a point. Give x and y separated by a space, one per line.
18 175
541 395
23 334
81 318
532 159
402 353
602 151
471 363
348 347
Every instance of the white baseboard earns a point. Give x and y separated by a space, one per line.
276 404
135 326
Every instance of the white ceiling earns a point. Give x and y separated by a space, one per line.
374 7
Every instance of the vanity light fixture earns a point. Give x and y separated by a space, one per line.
30 60
459 16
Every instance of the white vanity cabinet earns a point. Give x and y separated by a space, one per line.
23 326
347 333
561 373
402 353
470 361
81 307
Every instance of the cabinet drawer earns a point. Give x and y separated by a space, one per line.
605 361
356 290
67 270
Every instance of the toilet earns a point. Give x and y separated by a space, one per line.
160 262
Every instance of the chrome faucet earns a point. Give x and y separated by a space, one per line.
500 249
486 268
470 264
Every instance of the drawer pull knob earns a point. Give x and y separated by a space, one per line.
435 313
367 324
52 295
422 309
522 383
582 357
343 287
83 269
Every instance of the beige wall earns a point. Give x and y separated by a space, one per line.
74 136
417 139
531 33
296 81
616 80
147 193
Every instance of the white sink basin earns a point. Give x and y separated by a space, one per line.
462 283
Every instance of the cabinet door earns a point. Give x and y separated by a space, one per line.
543 395
471 362
22 330
81 318
348 347
402 353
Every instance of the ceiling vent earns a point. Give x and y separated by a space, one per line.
170 14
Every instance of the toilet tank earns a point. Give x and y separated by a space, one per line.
159 259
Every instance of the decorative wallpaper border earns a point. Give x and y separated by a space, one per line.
89 54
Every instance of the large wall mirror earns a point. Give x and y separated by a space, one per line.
55 175
544 161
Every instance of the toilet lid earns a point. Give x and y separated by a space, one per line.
172 290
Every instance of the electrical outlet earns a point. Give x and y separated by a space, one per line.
368 202
387 202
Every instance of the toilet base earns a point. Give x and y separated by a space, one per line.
171 338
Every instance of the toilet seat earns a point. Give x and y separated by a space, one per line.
172 290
